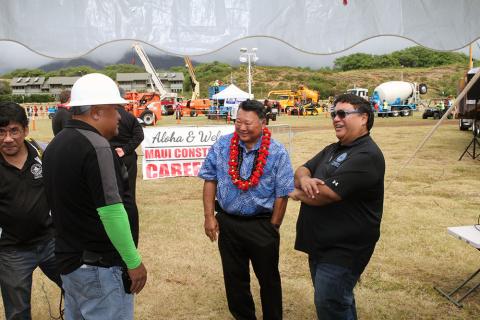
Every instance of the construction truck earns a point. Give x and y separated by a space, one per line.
195 105
292 100
150 106
361 92
397 98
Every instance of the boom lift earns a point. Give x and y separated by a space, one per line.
150 106
195 83
195 105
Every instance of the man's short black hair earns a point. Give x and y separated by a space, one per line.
255 106
359 104
12 112
64 96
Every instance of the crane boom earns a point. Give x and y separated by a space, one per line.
195 83
151 71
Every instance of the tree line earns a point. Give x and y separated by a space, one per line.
413 57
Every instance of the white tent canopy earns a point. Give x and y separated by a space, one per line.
232 92
69 28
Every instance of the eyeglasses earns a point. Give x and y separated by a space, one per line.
342 113
14 132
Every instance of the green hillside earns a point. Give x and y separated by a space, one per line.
440 80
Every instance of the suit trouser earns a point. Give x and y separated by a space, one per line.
242 240
130 162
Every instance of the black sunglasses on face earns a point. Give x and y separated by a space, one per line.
342 113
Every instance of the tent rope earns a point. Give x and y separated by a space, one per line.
432 131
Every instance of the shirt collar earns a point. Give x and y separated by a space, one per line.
78 124
355 142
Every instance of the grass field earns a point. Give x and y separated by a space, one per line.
414 252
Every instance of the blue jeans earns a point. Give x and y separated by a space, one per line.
17 266
333 285
96 293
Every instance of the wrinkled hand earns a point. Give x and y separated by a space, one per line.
211 227
120 152
310 186
138 277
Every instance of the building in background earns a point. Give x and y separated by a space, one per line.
27 85
172 81
55 85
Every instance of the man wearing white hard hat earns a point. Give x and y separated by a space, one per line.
95 217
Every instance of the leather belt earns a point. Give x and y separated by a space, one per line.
258 215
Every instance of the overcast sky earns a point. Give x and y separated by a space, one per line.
270 52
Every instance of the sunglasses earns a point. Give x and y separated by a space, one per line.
342 113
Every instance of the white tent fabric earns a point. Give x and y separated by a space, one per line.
232 92
70 28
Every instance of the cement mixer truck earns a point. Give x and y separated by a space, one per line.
397 98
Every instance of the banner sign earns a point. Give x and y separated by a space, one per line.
178 151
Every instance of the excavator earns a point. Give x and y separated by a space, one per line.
195 105
292 100
150 106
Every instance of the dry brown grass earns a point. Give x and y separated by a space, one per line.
414 252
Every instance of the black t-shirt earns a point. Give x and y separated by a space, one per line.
83 173
24 213
345 232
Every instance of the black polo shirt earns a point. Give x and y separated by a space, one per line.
24 213
345 232
83 173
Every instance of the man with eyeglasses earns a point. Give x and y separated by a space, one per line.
341 190
26 229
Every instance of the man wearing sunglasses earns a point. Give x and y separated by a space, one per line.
341 190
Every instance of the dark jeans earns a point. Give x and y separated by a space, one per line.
333 285
16 276
242 240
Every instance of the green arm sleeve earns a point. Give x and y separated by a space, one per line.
115 221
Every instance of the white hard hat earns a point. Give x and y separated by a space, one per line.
95 89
